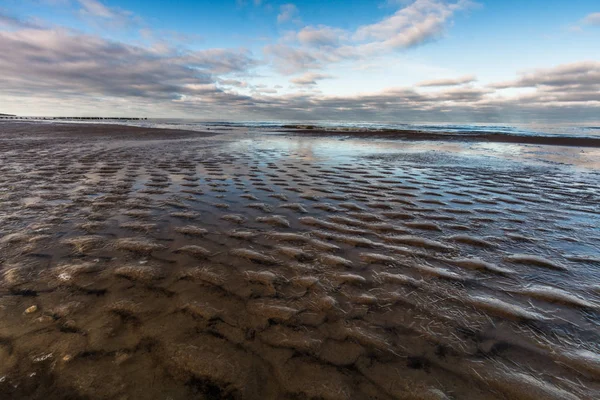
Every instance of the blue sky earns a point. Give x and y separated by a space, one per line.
387 60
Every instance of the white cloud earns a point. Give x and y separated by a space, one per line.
592 19
447 82
309 78
320 36
287 12
96 9
290 59
412 25
108 18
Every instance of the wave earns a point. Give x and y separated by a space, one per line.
557 130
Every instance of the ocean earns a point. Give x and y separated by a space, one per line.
571 130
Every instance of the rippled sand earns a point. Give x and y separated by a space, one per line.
138 264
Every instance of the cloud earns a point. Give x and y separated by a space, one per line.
244 3
233 82
320 36
585 73
106 17
96 13
96 9
287 12
568 85
60 71
60 63
453 104
447 82
263 89
168 39
290 59
309 78
592 19
221 61
9 21
412 25
551 100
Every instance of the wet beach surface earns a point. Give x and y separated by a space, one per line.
139 263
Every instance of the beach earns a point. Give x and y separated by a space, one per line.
140 263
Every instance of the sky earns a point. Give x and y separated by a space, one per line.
451 61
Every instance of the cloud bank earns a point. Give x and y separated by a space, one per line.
64 71
58 61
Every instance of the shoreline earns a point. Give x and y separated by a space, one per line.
404 135
95 129
415 135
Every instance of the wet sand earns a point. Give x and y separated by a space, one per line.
482 137
155 264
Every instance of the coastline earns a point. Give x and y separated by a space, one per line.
93 128
47 129
416 135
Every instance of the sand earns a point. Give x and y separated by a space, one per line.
156 264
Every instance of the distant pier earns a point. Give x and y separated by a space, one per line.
14 117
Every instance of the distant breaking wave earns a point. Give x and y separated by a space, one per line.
336 126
